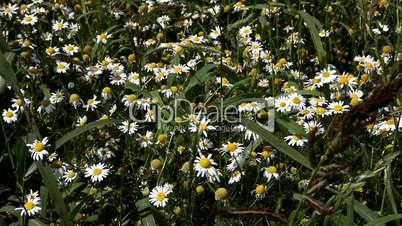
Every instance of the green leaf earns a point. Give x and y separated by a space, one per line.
278 143
363 211
35 222
313 24
6 70
54 193
383 220
291 126
200 76
82 129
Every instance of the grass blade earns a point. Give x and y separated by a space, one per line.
54 193
277 143
70 135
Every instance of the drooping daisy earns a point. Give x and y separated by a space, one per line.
81 120
205 166
10 116
69 176
295 140
235 176
97 172
159 195
38 148
91 104
62 67
260 190
271 172
31 205
20 103
129 100
75 100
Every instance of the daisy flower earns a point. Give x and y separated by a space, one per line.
20 103
145 139
70 49
69 176
127 127
102 38
62 67
97 172
158 196
91 104
282 104
38 148
259 191
295 140
271 172
59 25
10 116
245 31
29 19
234 149
118 79
235 176
201 127
129 100
204 166
31 204
327 75
313 126
9 10
296 101
338 107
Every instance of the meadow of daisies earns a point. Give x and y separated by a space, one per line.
173 112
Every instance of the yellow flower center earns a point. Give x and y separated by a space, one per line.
204 162
131 97
160 196
296 100
90 101
28 19
296 138
20 102
271 169
321 110
9 114
29 205
231 147
260 189
97 171
71 174
343 79
282 104
61 66
391 122
39 147
74 98
202 126
326 74
338 107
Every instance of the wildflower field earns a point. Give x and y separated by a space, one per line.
173 112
